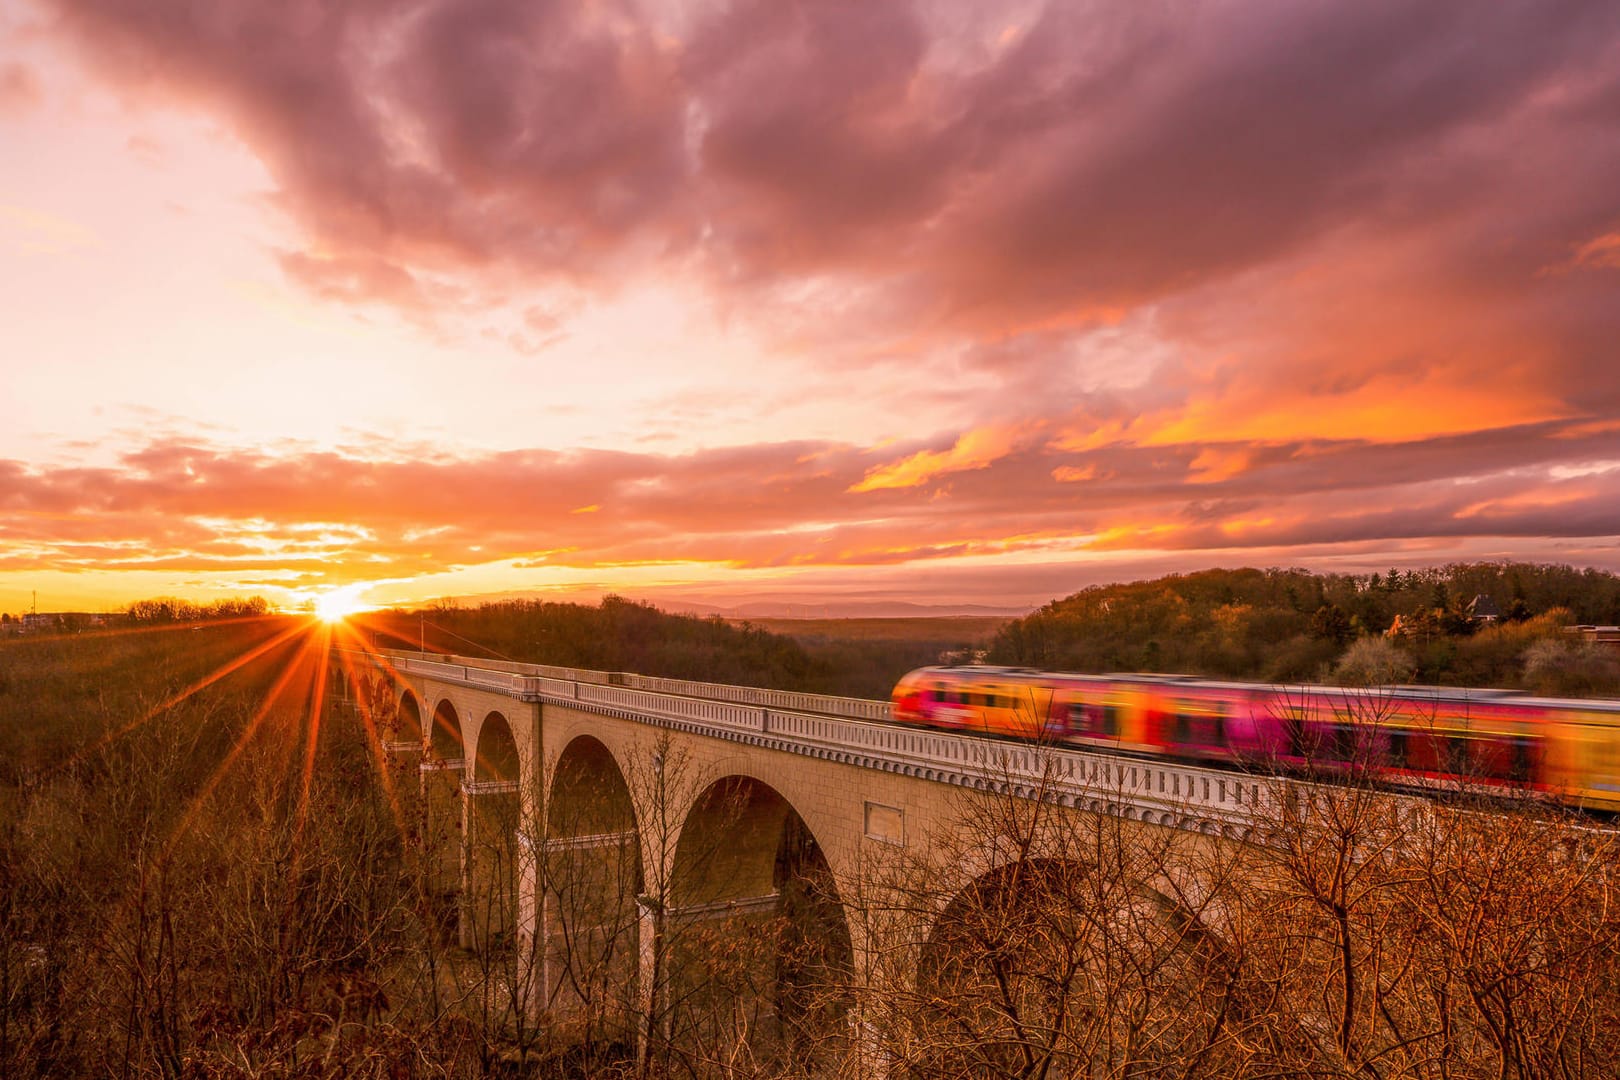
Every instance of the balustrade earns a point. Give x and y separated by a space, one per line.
851 729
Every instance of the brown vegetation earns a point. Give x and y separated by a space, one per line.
243 881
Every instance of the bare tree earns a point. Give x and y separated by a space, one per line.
1029 939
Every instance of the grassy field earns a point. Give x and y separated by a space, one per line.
60 693
191 846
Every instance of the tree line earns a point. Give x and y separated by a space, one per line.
1465 624
626 635
1482 624
169 609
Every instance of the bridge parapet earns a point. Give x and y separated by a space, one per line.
855 708
513 676
1169 793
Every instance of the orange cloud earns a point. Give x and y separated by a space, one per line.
1074 474
1214 464
1602 252
976 449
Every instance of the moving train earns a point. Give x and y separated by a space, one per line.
1407 736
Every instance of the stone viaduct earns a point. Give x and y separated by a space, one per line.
668 804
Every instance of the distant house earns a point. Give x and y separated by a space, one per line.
1483 609
1603 635
52 622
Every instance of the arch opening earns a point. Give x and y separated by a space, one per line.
443 828
1065 964
446 741
759 945
492 849
408 719
496 755
590 876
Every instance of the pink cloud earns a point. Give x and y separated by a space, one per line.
19 88
1273 276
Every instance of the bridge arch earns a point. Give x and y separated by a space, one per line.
750 877
446 742
495 755
409 718
589 794
1061 959
590 876
491 851
444 828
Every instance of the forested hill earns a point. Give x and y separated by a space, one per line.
1265 625
1286 625
623 635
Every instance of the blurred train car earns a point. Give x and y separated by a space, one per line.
1424 737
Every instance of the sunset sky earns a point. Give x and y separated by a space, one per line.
946 302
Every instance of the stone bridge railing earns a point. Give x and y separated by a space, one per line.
854 731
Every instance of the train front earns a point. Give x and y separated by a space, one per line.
905 704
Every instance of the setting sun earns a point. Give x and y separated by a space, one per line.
337 605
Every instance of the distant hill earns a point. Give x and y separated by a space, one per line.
768 606
1288 625
1267 625
848 609
944 631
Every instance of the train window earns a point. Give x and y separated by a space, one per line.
1522 765
1426 752
1181 725
1397 749
1093 719
1293 724
1342 741
1086 717
1457 759
1509 758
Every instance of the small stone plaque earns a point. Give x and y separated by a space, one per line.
885 823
